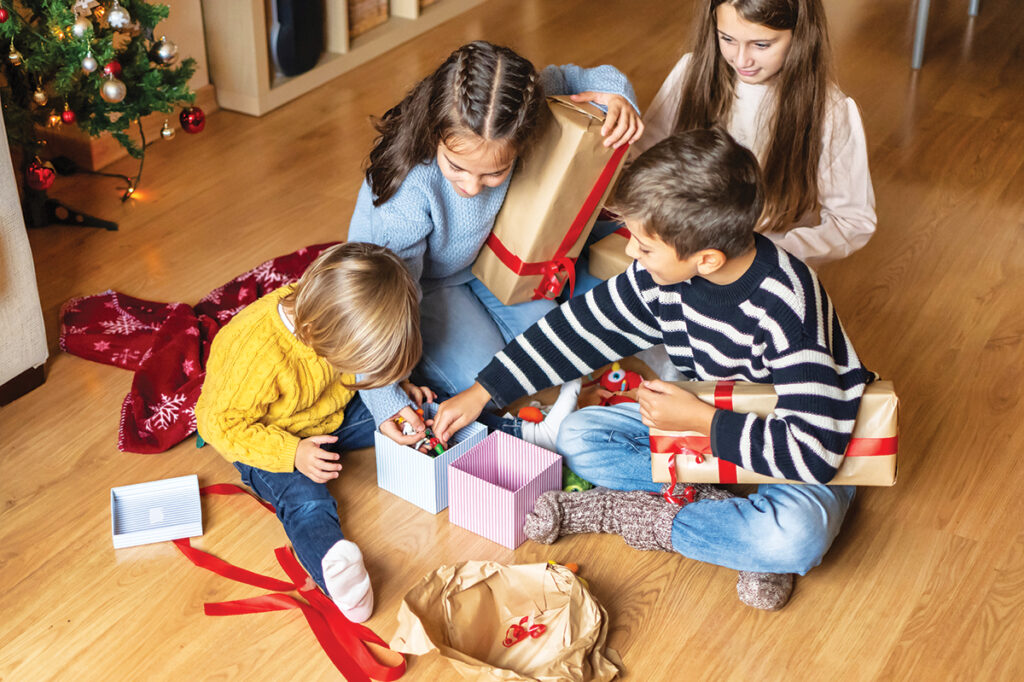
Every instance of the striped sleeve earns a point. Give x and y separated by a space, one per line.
610 322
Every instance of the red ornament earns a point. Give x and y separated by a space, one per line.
112 69
68 116
193 120
3 15
39 175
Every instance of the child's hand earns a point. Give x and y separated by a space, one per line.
418 394
394 431
317 464
459 410
668 407
621 124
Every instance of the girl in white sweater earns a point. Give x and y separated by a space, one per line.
762 69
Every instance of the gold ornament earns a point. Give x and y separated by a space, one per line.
167 132
89 63
81 27
54 119
113 90
14 57
39 97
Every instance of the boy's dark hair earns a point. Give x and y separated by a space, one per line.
482 90
694 190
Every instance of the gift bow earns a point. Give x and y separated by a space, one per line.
517 633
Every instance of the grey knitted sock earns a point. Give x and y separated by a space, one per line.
642 519
767 591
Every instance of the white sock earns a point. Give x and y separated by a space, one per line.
348 585
545 433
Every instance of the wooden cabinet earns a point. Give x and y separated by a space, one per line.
238 47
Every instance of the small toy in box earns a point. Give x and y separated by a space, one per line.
420 477
495 483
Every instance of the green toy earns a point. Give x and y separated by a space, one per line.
572 483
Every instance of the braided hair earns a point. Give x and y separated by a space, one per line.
481 89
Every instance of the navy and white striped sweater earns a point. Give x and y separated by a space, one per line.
774 325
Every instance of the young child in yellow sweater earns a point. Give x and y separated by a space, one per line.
279 399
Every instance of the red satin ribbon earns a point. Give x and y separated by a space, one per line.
560 262
623 232
344 642
727 471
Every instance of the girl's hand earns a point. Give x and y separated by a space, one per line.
418 394
622 124
317 464
459 410
394 431
668 407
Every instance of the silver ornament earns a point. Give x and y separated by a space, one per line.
81 27
118 17
167 132
89 63
164 51
113 90
39 97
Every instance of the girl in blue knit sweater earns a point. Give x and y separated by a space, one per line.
437 176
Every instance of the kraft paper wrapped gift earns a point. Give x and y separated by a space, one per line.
870 458
608 256
464 612
494 485
418 477
554 198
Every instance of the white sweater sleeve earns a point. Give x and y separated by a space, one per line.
845 192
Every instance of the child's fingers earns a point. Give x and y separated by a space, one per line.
321 440
394 432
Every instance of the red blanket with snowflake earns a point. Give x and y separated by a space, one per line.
166 345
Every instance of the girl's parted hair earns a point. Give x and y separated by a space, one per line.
481 89
357 306
801 93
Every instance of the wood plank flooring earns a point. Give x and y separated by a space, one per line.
926 581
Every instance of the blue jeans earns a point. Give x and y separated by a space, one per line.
463 328
782 528
306 508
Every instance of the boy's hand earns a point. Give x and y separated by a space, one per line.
394 431
317 464
459 410
621 124
418 394
668 407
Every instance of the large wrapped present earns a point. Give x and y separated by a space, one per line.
608 256
494 485
553 200
418 477
870 458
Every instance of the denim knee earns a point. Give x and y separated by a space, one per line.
794 538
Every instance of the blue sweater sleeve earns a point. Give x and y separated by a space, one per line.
572 80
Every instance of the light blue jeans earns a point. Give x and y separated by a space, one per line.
780 529
463 328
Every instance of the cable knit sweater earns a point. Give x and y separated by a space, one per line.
847 218
774 325
439 233
265 390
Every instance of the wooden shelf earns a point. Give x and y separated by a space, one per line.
238 48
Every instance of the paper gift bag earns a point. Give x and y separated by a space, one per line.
870 457
553 200
608 256
466 611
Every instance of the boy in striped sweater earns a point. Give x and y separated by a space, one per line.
728 305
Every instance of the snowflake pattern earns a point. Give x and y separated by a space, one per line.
271 278
225 315
125 356
188 367
101 345
125 325
166 412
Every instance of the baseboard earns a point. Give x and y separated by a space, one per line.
22 384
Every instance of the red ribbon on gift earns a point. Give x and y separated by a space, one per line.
551 270
344 642
701 445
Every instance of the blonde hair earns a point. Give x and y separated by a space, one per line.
357 306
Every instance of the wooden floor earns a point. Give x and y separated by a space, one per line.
926 581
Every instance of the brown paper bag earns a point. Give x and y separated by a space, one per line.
464 611
608 256
554 197
870 458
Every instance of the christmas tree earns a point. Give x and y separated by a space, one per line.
100 66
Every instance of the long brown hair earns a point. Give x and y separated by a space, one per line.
801 92
481 89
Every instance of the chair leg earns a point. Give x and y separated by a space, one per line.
919 31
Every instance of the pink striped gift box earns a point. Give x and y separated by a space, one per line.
494 485
417 477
